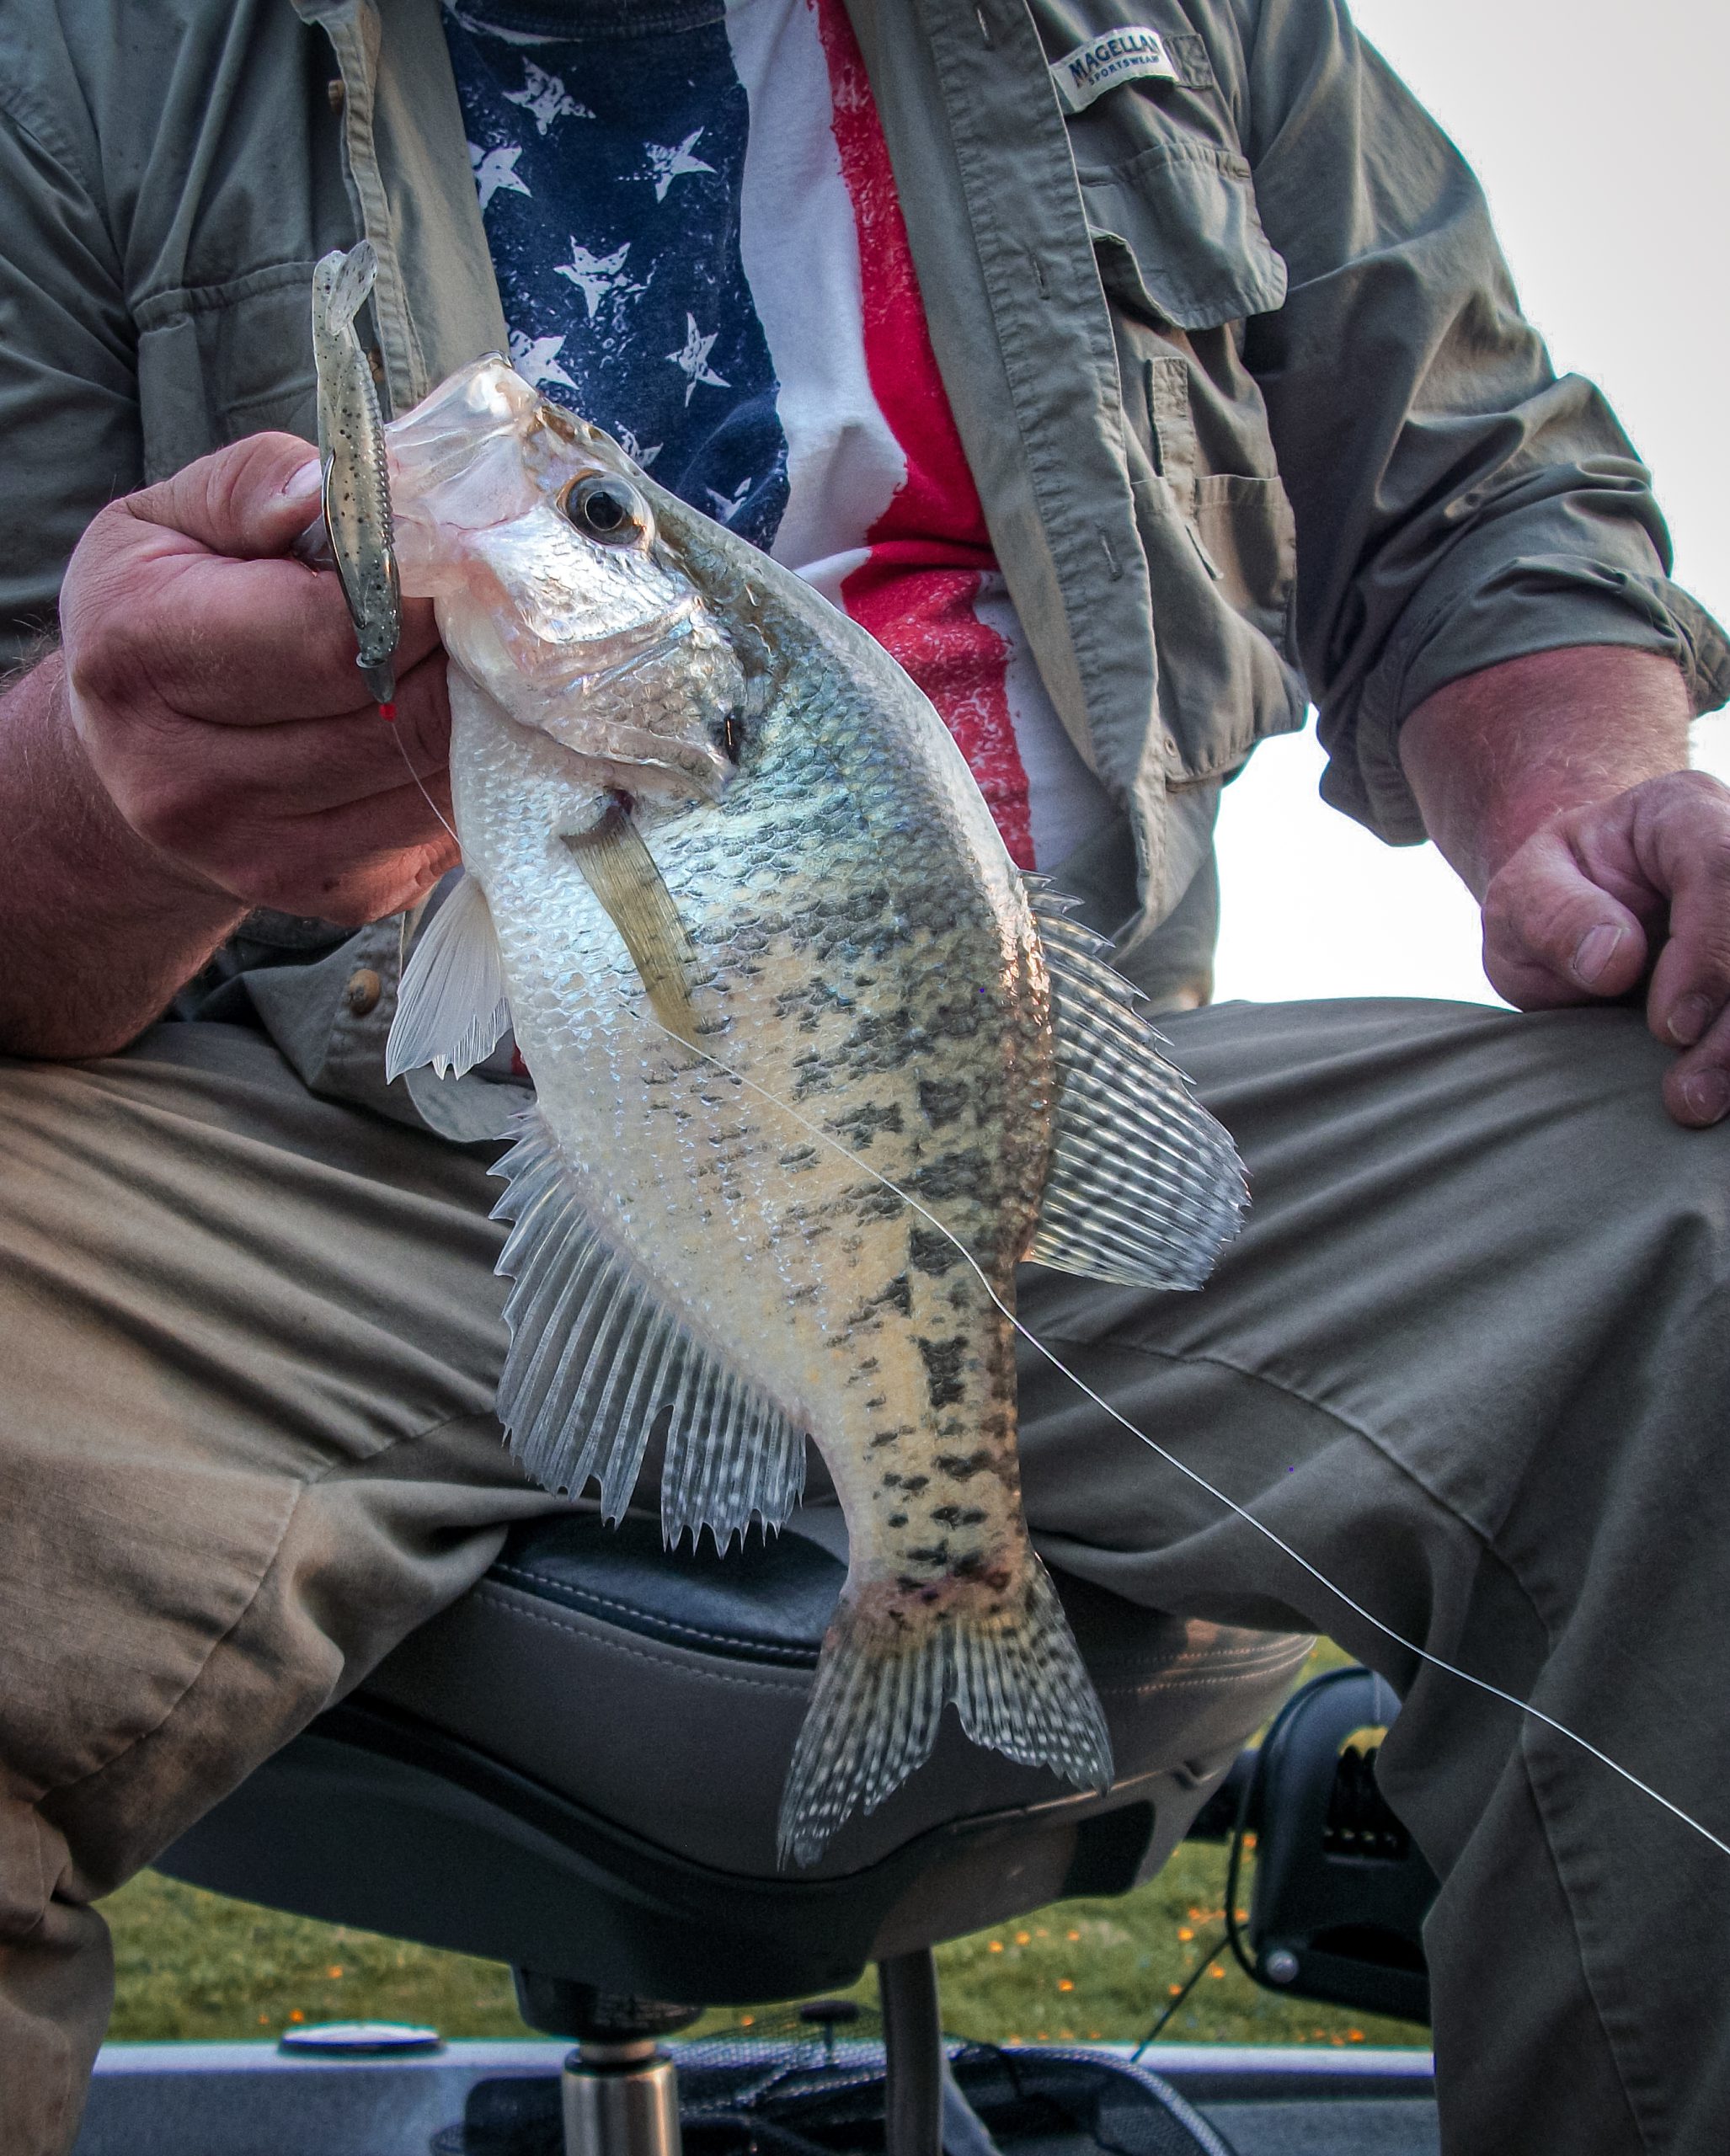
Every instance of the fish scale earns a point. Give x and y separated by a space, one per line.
815 1067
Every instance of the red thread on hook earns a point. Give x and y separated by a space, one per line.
387 711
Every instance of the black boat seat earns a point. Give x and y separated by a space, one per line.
577 1768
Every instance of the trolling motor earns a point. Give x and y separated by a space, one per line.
1341 1890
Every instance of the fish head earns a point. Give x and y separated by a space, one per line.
557 593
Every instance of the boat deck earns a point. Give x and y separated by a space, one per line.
249 2099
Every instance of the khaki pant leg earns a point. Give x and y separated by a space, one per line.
250 1342
1470 1357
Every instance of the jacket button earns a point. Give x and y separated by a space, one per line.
363 990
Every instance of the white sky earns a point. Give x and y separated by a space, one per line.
1599 135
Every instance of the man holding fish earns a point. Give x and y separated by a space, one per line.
1128 373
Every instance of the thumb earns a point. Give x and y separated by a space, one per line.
254 498
1551 934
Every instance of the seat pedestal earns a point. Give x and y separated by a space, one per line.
620 2099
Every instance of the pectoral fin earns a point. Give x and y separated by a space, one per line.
451 1009
620 870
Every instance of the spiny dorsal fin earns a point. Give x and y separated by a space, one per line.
451 1009
594 1357
1143 1187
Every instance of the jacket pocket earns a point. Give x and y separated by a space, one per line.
218 362
1248 537
1178 236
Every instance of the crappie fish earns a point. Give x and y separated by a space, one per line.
801 1036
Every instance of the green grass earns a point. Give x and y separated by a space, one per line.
192 1964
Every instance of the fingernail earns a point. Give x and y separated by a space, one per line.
1688 1021
300 489
1706 1095
1597 948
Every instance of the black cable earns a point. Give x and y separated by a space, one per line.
1191 1982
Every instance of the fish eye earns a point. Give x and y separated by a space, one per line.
607 508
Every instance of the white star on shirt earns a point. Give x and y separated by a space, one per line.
728 506
544 96
666 165
694 359
634 450
496 169
596 275
536 359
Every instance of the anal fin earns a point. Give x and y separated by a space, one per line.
595 1357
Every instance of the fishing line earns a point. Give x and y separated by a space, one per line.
389 717
1410 1646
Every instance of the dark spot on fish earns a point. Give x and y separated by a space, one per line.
898 1296
937 1556
876 1400
941 1100
957 1515
913 1484
859 1125
943 1360
890 1436
957 1021
962 1467
931 1252
961 1174
873 1201
898 1520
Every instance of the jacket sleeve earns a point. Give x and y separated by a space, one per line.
68 393
1456 503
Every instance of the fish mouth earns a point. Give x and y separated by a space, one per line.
610 659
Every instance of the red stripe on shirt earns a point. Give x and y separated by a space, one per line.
929 549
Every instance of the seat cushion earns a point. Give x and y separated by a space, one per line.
664 1689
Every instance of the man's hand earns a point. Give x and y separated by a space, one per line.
1556 785
212 686
203 745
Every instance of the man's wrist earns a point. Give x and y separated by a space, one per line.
102 927
1493 756
80 818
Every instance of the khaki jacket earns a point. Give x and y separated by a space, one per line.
1238 364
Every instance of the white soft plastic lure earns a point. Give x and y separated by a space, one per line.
356 491
703 816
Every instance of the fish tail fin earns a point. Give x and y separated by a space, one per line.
343 282
1009 1663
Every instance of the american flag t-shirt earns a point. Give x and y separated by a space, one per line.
699 246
